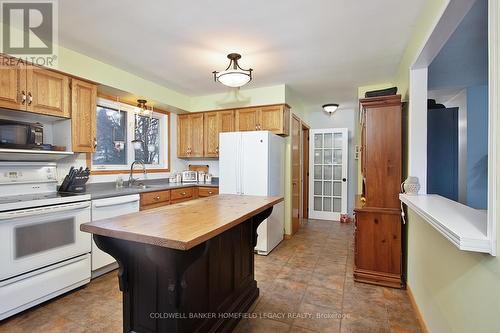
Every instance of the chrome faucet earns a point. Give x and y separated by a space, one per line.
131 179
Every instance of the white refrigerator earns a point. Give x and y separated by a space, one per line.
252 163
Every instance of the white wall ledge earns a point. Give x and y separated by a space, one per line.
463 226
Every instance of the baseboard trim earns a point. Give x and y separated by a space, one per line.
287 236
416 309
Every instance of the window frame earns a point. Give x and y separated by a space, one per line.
162 116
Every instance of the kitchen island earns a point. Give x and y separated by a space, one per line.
188 267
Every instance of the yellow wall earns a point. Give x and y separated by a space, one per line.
455 291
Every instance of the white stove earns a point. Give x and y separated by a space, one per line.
43 253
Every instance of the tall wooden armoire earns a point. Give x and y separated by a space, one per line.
378 245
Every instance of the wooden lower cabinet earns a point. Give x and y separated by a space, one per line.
181 194
377 250
207 191
156 199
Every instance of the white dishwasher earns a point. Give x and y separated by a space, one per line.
104 209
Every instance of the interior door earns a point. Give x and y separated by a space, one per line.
328 163
295 174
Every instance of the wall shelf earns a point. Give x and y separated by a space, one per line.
463 226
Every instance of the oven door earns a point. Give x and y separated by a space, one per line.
37 237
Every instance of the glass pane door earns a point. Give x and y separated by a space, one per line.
329 181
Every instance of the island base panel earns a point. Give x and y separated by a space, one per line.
204 289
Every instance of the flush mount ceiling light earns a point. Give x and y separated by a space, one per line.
330 108
233 76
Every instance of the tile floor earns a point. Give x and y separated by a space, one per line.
305 285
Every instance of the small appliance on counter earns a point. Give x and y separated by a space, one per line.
189 176
75 181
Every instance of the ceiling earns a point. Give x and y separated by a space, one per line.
463 60
323 49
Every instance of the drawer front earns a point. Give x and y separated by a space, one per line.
181 193
155 197
207 191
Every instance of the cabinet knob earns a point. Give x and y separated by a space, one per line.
210 192
157 198
217 150
183 193
95 142
23 97
30 98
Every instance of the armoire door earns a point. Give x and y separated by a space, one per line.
328 184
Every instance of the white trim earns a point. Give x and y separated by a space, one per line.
452 15
463 226
417 131
493 119
335 216
131 112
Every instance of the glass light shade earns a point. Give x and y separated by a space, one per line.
137 144
233 78
330 108
151 148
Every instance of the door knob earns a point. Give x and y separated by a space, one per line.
344 180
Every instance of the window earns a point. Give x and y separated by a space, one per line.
124 136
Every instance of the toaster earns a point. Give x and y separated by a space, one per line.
189 176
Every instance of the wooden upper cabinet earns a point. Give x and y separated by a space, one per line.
274 118
83 116
246 119
190 135
48 92
196 124
183 136
12 83
211 129
226 121
216 123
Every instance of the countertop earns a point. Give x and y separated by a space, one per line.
184 225
108 190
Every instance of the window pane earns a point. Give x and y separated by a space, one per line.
317 188
111 137
148 131
317 203
328 140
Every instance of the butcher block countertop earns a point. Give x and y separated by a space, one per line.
183 226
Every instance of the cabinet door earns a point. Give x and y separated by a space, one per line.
226 121
378 242
246 119
211 120
83 116
271 119
48 92
12 84
196 128
183 135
